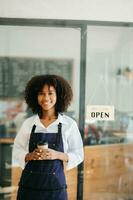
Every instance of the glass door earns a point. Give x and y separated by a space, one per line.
26 51
108 166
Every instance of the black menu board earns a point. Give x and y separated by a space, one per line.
16 71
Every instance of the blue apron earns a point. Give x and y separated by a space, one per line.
44 179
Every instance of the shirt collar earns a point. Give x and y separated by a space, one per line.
60 119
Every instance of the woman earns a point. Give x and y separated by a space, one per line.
43 176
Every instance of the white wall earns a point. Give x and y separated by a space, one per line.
107 10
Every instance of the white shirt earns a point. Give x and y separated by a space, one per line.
72 140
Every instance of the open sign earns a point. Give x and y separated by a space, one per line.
100 112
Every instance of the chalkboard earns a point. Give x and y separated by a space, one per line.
16 71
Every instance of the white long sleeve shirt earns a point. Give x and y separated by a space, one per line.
72 140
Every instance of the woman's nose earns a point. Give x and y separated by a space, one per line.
46 96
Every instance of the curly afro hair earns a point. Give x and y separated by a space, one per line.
35 85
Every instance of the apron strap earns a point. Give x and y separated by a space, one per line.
32 132
33 129
59 135
59 128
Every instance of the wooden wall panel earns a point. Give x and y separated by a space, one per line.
108 172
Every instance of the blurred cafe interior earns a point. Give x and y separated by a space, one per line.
97 60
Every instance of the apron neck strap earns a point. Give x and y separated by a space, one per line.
33 129
59 128
58 137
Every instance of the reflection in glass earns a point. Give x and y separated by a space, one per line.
110 80
108 166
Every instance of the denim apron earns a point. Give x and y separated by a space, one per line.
43 179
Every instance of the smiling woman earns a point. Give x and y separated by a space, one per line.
48 96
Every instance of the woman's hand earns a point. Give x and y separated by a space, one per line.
46 154
52 155
37 154
41 154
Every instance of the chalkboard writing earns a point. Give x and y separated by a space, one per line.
16 71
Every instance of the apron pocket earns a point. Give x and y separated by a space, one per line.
41 181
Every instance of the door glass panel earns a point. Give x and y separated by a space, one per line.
109 144
25 52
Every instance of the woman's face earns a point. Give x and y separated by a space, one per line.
47 98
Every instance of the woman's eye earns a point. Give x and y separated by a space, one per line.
50 93
40 93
